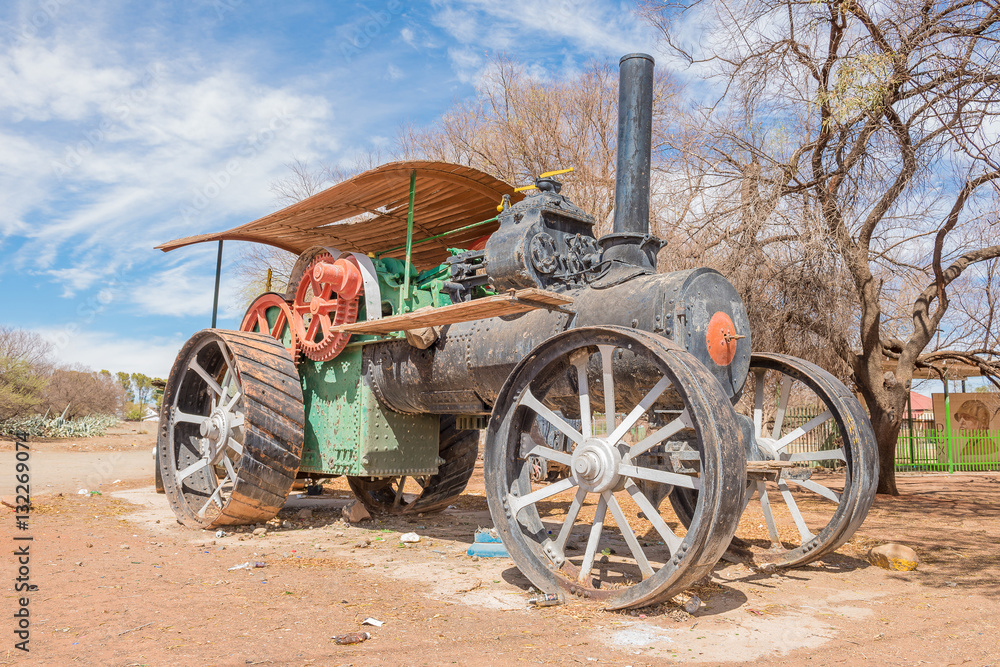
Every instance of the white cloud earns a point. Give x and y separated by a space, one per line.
113 159
593 26
395 74
186 289
105 350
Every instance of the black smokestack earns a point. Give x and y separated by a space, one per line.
635 138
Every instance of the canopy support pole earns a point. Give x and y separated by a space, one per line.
218 276
405 294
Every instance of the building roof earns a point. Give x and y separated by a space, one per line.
367 213
919 402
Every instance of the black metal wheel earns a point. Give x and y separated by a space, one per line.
431 493
231 429
807 421
630 555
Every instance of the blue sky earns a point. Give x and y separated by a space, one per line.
127 124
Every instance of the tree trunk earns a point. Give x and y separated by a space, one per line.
886 424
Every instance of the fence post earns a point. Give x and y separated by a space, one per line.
947 427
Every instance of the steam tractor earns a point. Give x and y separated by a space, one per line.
628 425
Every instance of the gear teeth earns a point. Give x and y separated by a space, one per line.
345 312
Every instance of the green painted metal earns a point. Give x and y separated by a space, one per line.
409 239
348 432
947 427
441 235
394 278
331 396
393 443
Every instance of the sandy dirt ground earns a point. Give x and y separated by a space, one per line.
121 583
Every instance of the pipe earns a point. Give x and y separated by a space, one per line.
630 241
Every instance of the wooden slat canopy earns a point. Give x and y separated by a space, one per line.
367 213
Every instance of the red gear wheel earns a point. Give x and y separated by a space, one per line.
282 330
326 297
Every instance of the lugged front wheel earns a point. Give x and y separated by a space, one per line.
231 429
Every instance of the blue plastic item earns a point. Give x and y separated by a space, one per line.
487 545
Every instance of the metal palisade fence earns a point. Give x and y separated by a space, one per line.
921 446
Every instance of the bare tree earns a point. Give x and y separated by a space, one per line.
24 369
517 127
864 136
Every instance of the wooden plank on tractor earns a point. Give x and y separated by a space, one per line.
511 303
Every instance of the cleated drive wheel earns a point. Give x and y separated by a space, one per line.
799 413
231 429
387 495
270 313
595 533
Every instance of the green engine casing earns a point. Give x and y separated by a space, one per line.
348 431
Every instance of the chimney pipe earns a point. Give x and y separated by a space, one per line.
630 241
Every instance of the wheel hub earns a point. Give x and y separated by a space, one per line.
215 430
766 446
595 465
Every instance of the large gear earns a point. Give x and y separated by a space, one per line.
326 297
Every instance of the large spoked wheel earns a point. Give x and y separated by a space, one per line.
231 429
813 426
804 415
628 555
431 493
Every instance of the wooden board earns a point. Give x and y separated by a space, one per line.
510 303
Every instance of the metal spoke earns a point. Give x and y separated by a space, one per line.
230 471
548 454
802 430
230 366
187 417
529 400
626 531
765 506
817 488
800 523
828 455
214 496
608 384
639 410
593 540
235 445
659 436
559 545
779 415
653 516
517 503
581 374
758 404
209 380
232 401
662 476
191 469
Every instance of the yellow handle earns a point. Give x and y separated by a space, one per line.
556 172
